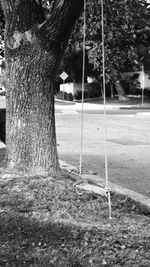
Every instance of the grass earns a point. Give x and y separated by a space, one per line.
131 100
64 102
47 222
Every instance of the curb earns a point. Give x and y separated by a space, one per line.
96 184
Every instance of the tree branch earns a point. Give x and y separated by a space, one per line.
58 25
24 23
22 15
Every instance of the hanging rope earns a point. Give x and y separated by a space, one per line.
108 190
83 78
143 83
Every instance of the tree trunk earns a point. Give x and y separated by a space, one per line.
111 89
33 50
30 122
120 91
102 91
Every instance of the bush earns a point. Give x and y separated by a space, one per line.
78 95
61 95
69 97
64 96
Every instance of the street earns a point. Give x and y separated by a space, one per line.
128 145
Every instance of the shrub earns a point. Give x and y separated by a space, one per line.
64 96
61 95
78 95
69 97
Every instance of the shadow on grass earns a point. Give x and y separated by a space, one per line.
26 242
46 222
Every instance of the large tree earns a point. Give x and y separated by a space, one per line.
35 41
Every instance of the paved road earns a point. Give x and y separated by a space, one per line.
128 146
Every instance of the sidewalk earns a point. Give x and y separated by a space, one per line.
87 106
91 106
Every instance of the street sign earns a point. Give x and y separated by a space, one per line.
64 76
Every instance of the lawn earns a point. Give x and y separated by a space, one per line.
64 102
48 222
131 100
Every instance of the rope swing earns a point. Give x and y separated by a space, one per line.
83 78
107 188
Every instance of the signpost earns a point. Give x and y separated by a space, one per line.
63 76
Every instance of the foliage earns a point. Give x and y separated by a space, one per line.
78 95
64 96
69 97
127 36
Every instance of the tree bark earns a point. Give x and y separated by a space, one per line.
120 91
111 89
102 91
34 47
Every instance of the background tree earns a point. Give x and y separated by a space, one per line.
35 40
127 38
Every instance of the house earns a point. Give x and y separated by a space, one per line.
90 88
143 78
